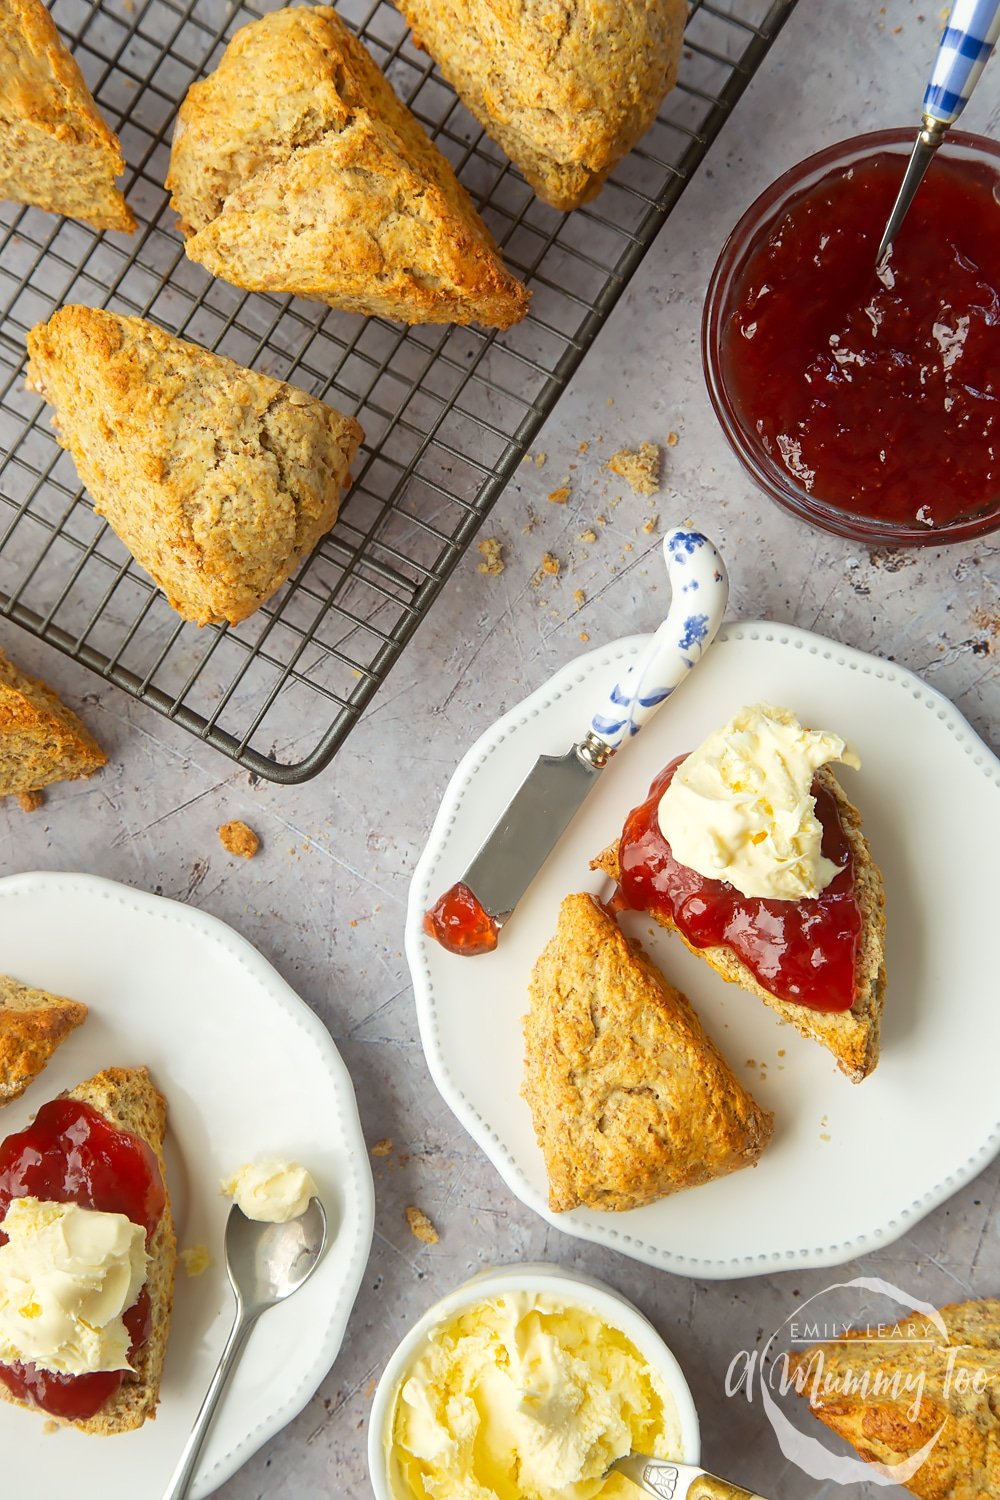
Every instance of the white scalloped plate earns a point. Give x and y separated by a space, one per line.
248 1070
851 1166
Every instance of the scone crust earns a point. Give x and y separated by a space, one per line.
964 1462
128 1098
41 740
629 1097
56 151
853 1035
32 1024
296 168
218 480
566 90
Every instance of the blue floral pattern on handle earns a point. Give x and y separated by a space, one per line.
694 566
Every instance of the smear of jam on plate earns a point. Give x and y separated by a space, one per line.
461 924
803 951
72 1154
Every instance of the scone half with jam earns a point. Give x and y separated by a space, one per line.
750 850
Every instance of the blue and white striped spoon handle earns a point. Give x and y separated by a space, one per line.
968 39
699 593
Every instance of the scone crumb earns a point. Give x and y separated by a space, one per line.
584 636
383 1147
30 802
650 526
588 536
639 467
239 838
540 460
583 448
560 496
672 440
420 1226
550 565
196 1260
50 1426
492 554
579 598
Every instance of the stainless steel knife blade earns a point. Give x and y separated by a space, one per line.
529 828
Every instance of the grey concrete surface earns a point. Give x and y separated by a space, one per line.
324 900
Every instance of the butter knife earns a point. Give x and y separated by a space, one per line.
468 918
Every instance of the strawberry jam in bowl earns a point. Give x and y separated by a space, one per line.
865 402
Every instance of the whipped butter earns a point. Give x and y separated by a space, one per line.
67 1274
740 807
525 1396
271 1191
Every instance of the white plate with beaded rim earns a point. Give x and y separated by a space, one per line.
248 1071
851 1166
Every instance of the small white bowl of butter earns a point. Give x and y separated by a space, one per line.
526 1380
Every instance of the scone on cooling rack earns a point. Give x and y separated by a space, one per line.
218 480
41 740
295 168
55 150
565 90
629 1097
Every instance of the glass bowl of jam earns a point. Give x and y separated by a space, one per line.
865 402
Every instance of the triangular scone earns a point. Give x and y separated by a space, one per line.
629 1097
128 1099
851 1035
32 1024
55 150
926 1381
41 740
218 480
566 90
295 168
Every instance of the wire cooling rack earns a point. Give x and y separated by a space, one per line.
448 412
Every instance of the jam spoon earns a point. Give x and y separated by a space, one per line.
966 43
673 1481
266 1264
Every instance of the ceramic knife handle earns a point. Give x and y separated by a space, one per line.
699 594
966 43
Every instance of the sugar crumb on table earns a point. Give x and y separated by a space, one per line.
239 839
640 467
492 554
420 1226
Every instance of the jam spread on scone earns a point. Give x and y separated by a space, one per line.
461 924
72 1154
803 951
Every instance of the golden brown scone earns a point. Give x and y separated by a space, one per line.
128 1098
295 168
41 740
32 1024
630 1099
851 1035
566 90
964 1462
55 150
218 480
